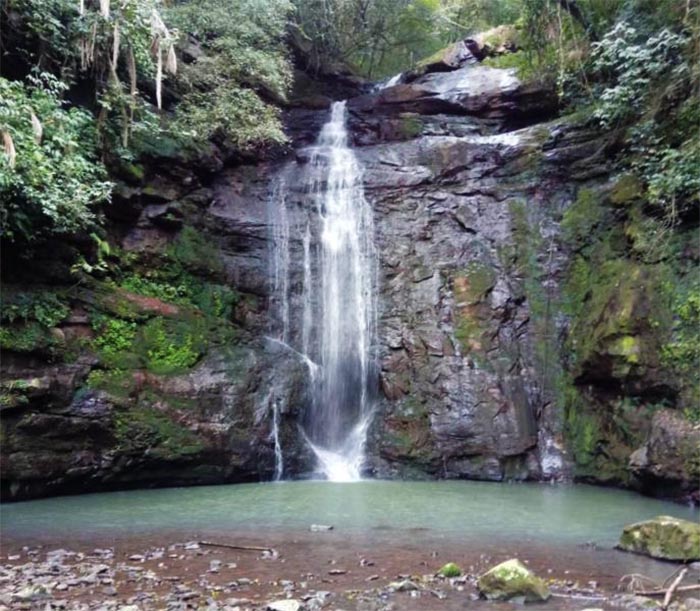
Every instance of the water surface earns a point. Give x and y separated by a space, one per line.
468 511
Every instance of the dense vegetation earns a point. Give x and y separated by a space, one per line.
83 82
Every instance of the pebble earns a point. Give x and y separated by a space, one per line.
404 586
288 604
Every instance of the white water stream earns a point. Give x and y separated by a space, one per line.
337 317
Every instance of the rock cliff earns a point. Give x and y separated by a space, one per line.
508 349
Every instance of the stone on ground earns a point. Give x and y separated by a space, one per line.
663 537
288 604
512 580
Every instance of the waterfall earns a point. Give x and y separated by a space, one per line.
335 325
275 435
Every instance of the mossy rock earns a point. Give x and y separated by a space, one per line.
663 537
626 190
31 337
450 570
512 580
159 433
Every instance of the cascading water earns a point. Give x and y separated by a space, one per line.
337 317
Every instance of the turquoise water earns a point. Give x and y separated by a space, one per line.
472 510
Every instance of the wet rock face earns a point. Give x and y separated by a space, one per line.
461 230
471 184
465 216
669 461
209 425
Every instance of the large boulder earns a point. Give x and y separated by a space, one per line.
512 580
663 537
669 460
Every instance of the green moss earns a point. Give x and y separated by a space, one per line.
473 284
114 341
582 217
663 537
14 393
626 190
409 431
172 345
195 252
29 318
434 58
682 352
147 429
628 347
512 579
119 383
520 61
450 570
411 125
471 287
30 337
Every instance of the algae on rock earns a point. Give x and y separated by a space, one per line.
512 580
663 537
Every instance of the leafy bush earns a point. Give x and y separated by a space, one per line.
245 63
171 346
630 68
100 41
50 174
45 307
115 336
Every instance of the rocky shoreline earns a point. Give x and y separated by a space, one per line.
297 574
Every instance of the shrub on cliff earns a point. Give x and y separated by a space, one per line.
50 172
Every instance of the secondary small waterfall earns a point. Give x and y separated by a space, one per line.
323 276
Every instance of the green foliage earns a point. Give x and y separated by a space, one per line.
170 345
193 251
181 288
682 352
77 43
44 307
28 317
51 180
161 345
582 217
28 337
379 38
245 64
13 393
521 62
668 163
114 337
630 68
237 114
119 383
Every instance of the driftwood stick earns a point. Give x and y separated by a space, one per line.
637 581
671 577
672 589
248 548
663 592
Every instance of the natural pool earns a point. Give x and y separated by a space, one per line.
469 510
382 530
